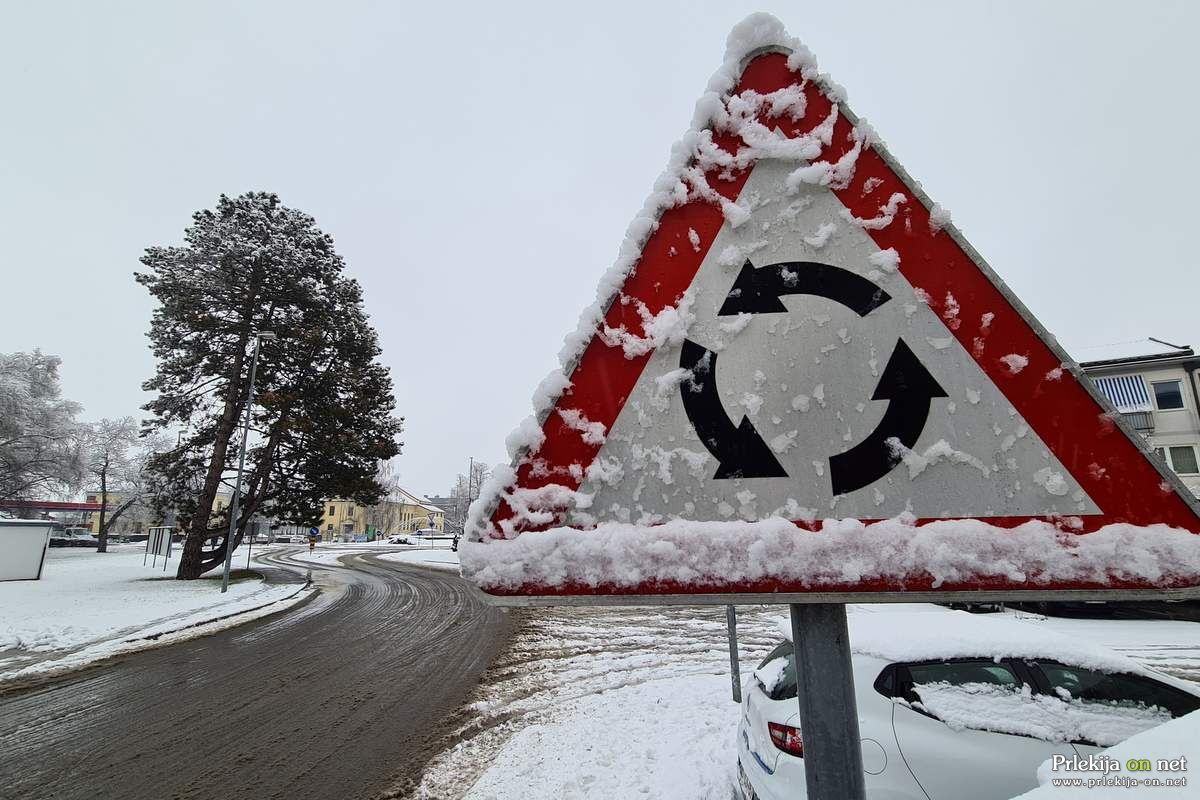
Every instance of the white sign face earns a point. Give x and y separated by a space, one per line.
159 542
810 365
24 544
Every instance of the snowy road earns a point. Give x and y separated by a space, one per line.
345 697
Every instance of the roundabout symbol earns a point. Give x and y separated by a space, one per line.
739 449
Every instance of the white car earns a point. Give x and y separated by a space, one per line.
953 705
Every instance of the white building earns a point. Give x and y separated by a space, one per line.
1156 392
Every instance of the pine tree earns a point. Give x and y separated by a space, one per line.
323 412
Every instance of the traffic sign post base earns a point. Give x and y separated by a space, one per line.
828 712
735 672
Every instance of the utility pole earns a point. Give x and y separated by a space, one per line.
237 487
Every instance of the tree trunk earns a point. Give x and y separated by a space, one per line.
248 503
121 509
103 546
192 563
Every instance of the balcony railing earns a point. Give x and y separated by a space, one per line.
1142 421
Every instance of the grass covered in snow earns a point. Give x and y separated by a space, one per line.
90 605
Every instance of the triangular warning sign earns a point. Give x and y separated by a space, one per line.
798 334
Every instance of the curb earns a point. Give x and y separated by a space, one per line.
156 636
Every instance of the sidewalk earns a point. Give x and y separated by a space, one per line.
89 606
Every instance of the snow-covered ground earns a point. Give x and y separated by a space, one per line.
421 553
635 702
89 606
606 702
1169 646
436 559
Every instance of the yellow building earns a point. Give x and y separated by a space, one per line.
400 512
136 520
115 501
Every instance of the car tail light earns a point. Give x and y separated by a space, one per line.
786 738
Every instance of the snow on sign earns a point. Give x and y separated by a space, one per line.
800 379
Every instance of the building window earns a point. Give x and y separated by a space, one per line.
329 527
333 511
1181 458
350 508
1168 395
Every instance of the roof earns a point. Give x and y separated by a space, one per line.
931 633
1139 351
49 505
402 495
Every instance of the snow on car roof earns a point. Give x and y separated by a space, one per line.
933 633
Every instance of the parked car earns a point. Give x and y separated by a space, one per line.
76 537
262 538
954 705
398 539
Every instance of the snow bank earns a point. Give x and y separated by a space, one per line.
434 559
616 556
1108 777
615 744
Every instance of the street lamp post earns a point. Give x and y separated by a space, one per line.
237 487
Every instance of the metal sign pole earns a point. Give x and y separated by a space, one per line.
833 767
734 668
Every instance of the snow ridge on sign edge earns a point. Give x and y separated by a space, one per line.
758 33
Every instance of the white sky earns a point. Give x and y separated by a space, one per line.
477 165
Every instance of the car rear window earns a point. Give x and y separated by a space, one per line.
782 676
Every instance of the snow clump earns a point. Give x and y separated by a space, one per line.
1015 362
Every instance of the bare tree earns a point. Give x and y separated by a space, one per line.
39 437
118 459
464 491
385 515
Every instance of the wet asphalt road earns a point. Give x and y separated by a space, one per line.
347 696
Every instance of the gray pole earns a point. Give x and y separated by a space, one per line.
735 672
250 544
237 487
828 712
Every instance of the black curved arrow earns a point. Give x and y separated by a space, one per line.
740 451
910 389
757 289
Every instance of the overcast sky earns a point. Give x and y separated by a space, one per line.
477 165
